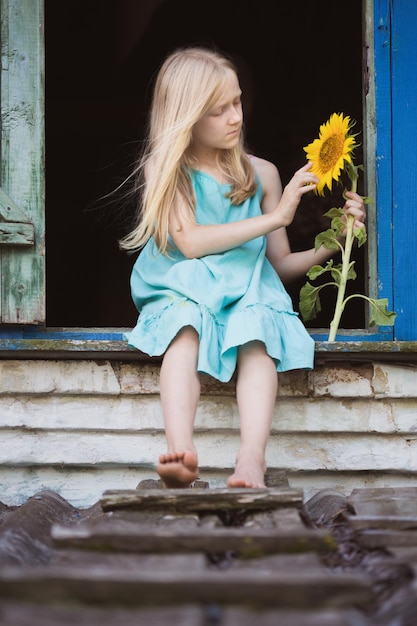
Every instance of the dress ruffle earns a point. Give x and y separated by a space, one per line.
219 342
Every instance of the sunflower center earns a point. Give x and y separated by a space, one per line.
330 152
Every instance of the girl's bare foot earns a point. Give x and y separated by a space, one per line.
178 469
249 473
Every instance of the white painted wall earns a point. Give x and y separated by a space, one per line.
82 427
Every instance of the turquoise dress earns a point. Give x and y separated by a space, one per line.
230 298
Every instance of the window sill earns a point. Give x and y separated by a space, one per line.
102 343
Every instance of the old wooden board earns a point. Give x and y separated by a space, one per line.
282 518
190 615
384 517
201 499
406 556
30 614
385 501
404 553
392 522
387 538
282 562
248 542
96 585
131 562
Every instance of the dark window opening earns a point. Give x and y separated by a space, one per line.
297 67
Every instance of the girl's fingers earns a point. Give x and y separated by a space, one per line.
355 206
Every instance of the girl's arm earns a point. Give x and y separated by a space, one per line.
196 240
292 265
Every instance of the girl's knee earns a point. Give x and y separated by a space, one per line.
255 348
188 333
187 336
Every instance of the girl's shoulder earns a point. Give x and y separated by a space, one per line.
265 170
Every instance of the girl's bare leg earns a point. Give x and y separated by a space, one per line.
256 390
180 394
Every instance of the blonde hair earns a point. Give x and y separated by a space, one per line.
188 84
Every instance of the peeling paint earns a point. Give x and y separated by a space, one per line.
380 381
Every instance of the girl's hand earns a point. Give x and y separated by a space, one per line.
355 206
301 183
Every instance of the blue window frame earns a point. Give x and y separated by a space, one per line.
396 80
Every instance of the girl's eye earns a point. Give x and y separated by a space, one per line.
218 112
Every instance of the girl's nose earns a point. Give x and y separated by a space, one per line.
236 115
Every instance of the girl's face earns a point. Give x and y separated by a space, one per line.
220 127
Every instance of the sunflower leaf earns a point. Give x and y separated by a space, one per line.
379 313
317 270
336 273
338 225
327 239
309 305
360 234
334 212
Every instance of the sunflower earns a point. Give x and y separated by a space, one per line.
331 151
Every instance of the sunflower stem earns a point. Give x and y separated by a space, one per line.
346 252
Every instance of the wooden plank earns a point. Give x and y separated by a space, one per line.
283 562
16 234
376 493
405 556
31 614
385 517
285 518
201 499
35 614
246 542
404 553
161 518
393 522
22 294
131 562
384 501
9 210
386 538
96 585
236 616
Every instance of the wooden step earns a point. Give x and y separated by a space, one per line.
30 614
95 585
224 557
385 518
245 542
201 499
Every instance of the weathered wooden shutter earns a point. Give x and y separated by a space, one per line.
22 193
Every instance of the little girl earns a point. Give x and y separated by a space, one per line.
208 283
